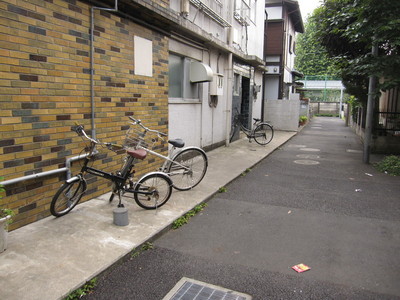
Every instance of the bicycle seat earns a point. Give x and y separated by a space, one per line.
138 153
178 143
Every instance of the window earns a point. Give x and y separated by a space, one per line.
236 84
290 44
245 11
179 82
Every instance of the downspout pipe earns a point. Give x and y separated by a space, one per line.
228 107
93 107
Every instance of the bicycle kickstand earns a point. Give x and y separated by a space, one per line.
120 204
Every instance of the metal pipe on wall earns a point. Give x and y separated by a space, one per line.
67 169
92 102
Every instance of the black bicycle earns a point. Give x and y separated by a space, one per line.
151 191
262 132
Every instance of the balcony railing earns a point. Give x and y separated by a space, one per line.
214 14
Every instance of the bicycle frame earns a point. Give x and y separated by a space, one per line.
171 153
249 132
119 180
168 159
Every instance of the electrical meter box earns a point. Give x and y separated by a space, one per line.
217 85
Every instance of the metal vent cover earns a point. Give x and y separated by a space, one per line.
191 289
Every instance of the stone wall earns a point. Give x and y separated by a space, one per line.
282 114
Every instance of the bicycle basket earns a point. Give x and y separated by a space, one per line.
137 139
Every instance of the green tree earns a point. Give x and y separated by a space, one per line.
348 28
312 57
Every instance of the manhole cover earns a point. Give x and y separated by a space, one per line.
308 156
310 149
306 162
353 151
190 289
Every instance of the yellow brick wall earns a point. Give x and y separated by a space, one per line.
45 89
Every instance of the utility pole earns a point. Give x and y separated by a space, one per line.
370 111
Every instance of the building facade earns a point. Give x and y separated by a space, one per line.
220 39
180 66
284 22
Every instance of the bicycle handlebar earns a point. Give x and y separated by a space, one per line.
139 122
79 129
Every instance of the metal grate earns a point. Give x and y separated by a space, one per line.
190 289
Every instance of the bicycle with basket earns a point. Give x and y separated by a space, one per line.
186 166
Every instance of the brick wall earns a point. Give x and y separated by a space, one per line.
45 88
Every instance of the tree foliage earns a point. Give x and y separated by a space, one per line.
348 29
311 57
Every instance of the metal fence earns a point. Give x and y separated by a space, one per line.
388 123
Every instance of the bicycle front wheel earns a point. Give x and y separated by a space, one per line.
67 197
153 190
263 134
188 168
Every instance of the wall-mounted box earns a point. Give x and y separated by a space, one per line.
217 85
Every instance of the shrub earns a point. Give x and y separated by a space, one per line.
390 165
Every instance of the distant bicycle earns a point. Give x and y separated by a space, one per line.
262 133
185 166
151 191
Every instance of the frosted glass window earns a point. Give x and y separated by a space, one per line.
179 82
175 76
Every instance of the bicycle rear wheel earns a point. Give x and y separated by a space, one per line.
234 130
67 197
153 190
188 168
263 134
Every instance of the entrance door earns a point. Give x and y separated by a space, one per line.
241 100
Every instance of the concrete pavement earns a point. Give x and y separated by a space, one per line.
314 202
52 257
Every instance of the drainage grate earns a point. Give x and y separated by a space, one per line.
190 289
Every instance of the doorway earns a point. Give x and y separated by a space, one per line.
241 100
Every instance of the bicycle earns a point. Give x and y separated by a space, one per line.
151 191
262 133
185 166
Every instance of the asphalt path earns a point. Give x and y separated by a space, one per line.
312 201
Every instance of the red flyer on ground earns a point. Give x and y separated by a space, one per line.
300 268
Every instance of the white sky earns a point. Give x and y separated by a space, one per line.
307 7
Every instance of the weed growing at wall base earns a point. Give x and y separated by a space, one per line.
86 289
390 165
185 218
